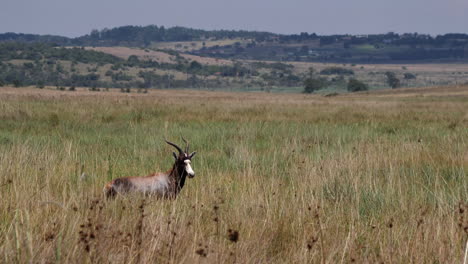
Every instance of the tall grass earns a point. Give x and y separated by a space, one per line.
280 178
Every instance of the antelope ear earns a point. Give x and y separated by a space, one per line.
175 155
192 154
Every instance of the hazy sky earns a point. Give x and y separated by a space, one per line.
78 17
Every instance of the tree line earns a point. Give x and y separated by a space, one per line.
142 36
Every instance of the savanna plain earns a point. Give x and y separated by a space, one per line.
377 177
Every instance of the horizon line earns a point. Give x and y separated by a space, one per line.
238 30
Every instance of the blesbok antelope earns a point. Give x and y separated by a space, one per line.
162 184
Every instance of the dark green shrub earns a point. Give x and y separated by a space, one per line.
392 80
40 84
337 71
17 83
355 85
409 76
313 84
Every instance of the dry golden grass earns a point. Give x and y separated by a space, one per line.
125 52
364 178
159 56
185 46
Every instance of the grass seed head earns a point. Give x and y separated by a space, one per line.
233 235
201 252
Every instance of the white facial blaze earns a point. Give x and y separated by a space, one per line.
188 168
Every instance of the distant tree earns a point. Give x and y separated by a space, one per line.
392 80
40 84
17 83
59 68
193 81
311 72
121 76
313 84
195 66
28 65
116 66
409 76
125 90
94 88
355 85
95 34
336 70
133 60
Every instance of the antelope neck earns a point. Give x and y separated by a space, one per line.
178 176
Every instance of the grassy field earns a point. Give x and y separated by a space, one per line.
427 74
376 177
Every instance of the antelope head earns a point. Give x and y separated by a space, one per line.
183 159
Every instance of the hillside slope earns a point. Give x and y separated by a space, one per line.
241 44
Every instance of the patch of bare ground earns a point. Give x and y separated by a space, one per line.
159 56
185 46
124 53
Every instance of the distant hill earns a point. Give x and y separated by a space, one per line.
178 57
41 64
45 64
138 36
380 48
376 48
33 38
